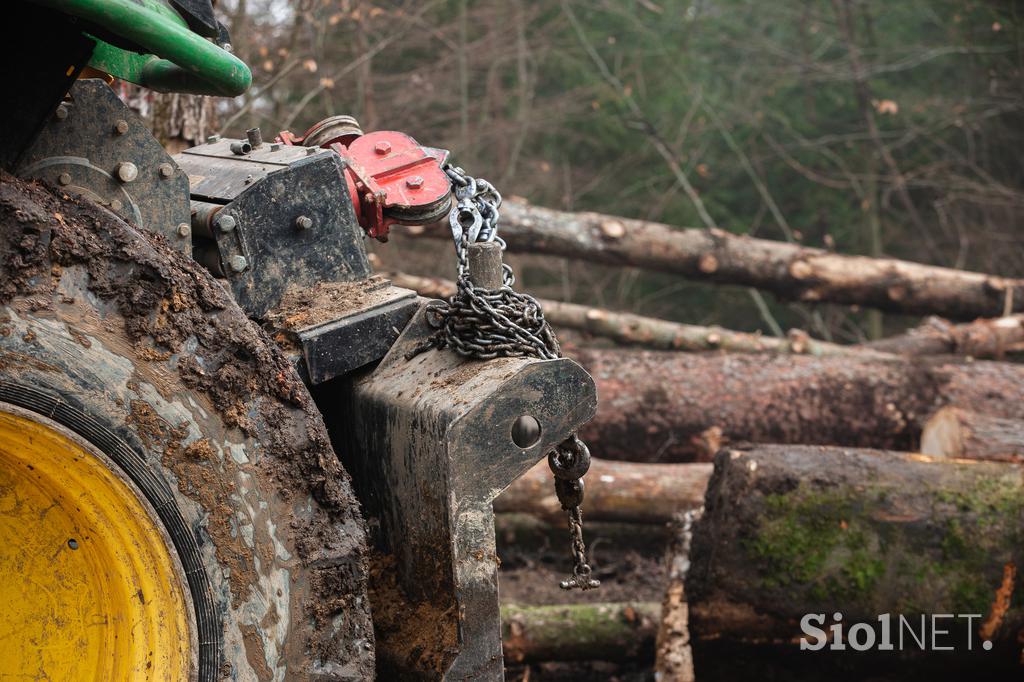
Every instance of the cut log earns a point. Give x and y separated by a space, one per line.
956 433
979 339
651 332
790 271
658 406
579 632
792 530
615 491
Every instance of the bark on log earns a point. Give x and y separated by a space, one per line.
984 338
651 332
791 530
788 270
579 632
953 432
673 660
658 406
615 491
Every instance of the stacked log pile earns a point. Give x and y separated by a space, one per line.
811 477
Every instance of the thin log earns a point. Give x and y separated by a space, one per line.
983 338
673 661
579 632
615 491
953 432
790 271
651 332
792 530
659 406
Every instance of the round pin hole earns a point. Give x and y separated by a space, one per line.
73 543
526 431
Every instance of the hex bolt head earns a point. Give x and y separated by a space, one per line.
225 223
64 178
127 171
61 113
415 182
121 127
382 147
238 263
303 222
166 170
184 229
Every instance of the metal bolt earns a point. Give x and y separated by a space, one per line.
415 182
238 263
303 222
116 205
73 543
127 171
64 179
166 170
310 151
382 147
255 137
62 112
121 127
526 431
225 223
275 146
212 139
184 229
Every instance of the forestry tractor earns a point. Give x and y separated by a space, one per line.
228 449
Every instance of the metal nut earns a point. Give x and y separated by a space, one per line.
64 178
166 170
116 205
303 222
225 223
121 127
61 113
382 147
238 263
415 182
127 171
184 229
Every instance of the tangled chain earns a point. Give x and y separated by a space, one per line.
488 323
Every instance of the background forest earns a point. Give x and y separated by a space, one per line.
863 126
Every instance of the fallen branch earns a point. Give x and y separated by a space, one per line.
651 332
956 433
579 632
616 491
983 338
792 530
788 270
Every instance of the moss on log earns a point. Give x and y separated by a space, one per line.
579 632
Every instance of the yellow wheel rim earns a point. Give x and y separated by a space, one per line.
88 587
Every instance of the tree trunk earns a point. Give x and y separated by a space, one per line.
985 338
650 332
957 433
178 121
790 271
657 406
615 491
579 632
792 530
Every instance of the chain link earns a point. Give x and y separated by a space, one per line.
484 324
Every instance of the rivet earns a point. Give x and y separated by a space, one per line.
382 147
62 112
64 179
166 170
127 171
238 263
225 223
121 127
184 230
303 222
415 182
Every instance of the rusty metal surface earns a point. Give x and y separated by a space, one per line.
429 448
97 147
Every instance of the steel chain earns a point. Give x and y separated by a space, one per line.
484 324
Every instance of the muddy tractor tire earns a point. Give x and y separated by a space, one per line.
170 505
